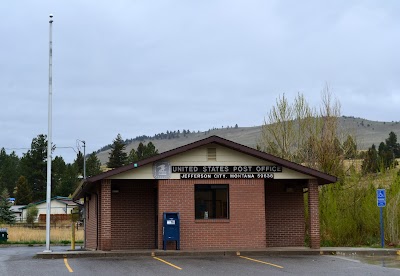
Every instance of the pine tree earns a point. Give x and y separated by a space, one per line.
150 150
58 168
93 165
68 181
392 144
78 162
118 156
132 157
6 215
23 194
141 151
370 163
34 167
9 170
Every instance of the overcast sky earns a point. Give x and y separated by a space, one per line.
144 67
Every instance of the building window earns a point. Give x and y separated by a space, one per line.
211 201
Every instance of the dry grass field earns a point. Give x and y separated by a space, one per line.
18 234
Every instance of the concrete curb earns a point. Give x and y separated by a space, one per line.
272 252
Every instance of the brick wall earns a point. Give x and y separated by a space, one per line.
284 215
133 214
91 222
105 215
260 215
313 210
244 229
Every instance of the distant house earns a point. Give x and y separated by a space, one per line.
16 209
59 206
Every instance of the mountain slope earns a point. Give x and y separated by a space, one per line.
365 131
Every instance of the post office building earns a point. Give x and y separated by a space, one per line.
210 194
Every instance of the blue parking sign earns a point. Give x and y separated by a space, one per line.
381 197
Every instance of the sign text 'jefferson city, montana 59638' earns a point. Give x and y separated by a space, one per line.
225 172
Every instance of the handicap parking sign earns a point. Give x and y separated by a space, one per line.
381 197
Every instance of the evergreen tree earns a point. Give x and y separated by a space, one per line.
93 165
6 215
118 156
384 158
132 157
68 181
150 150
34 167
23 194
140 152
78 162
9 170
146 151
370 163
392 144
58 168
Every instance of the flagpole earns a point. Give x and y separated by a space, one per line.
49 142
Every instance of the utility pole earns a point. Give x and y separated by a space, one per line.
84 160
84 198
84 157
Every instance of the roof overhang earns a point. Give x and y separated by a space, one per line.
322 178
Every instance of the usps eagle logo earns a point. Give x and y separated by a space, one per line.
162 170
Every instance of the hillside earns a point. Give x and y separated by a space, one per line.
365 131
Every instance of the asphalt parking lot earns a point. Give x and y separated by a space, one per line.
21 261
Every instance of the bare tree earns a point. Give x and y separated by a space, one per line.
302 134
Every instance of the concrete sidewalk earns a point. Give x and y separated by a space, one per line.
343 251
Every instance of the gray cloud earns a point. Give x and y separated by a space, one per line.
143 67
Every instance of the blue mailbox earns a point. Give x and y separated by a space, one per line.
171 232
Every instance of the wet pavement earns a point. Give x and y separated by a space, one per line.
383 261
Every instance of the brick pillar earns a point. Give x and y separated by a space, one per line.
105 211
313 211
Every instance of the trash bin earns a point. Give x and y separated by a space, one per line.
171 231
3 234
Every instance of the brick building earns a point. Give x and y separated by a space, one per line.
229 196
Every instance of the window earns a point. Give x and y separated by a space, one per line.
211 201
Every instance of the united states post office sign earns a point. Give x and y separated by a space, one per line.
227 169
